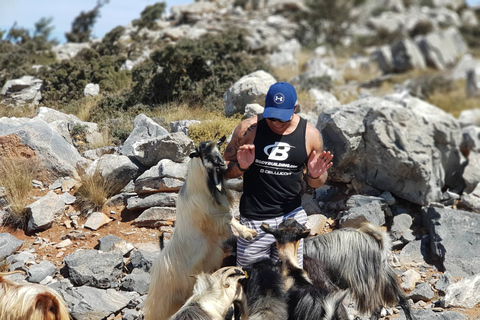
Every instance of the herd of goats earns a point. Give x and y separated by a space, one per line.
194 277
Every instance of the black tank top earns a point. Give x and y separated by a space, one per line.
272 184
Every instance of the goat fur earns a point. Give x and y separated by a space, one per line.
30 301
203 223
306 300
356 258
264 291
213 294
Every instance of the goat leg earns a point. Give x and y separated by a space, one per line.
242 230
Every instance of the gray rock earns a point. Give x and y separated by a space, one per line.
18 261
463 294
94 268
371 136
44 211
413 252
87 303
142 259
372 212
116 244
401 224
117 170
428 314
454 238
144 128
249 89
137 281
156 216
167 175
444 282
422 292
162 199
91 89
182 125
26 90
38 272
174 146
8 245
58 156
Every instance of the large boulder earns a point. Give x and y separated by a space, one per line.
59 157
406 147
250 89
25 90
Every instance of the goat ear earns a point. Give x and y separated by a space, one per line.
194 154
265 227
304 234
221 141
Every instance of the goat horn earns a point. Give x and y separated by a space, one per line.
231 271
2 274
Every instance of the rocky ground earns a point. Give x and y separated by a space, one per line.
62 239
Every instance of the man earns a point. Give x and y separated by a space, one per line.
271 151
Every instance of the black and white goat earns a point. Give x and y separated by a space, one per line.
213 294
203 223
264 291
306 300
356 258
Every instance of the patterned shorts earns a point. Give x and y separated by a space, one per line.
264 244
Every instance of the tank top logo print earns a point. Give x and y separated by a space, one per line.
277 151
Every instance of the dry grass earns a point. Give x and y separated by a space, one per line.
4 266
213 129
16 175
307 103
454 101
86 105
360 74
93 192
28 111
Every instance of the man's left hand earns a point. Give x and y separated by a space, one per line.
319 165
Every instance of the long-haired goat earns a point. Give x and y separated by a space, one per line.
264 291
306 300
356 258
203 223
30 301
213 294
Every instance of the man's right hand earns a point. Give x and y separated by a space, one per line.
246 155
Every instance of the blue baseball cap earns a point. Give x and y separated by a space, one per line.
280 101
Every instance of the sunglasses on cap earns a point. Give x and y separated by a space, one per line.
281 121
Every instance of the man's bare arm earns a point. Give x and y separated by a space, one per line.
242 135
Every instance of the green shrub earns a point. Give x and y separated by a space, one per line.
65 81
149 15
196 70
109 44
20 50
83 24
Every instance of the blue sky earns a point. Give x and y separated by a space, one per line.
63 12
117 12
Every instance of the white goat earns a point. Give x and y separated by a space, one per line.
203 223
213 294
30 301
